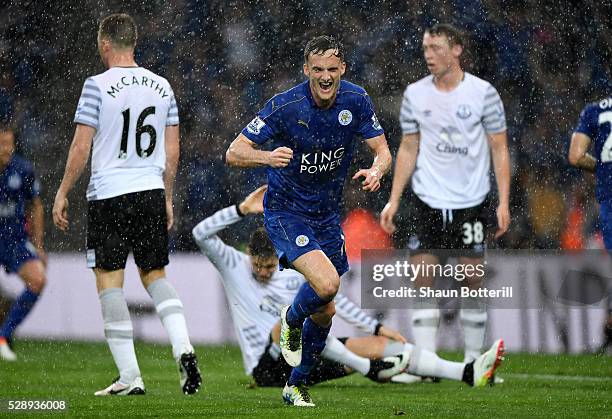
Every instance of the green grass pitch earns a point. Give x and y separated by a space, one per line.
535 386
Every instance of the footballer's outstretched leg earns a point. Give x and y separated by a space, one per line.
426 364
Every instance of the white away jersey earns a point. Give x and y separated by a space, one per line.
130 108
452 168
254 305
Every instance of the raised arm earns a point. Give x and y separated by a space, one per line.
77 159
243 152
205 233
380 166
405 164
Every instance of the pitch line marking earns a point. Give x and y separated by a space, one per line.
554 377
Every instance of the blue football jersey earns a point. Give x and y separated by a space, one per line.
596 123
322 141
18 186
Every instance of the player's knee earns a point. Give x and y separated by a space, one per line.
32 273
330 309
329 289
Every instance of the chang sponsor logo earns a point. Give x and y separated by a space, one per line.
451 149
321 161
450 136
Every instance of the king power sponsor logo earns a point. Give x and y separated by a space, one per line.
321 161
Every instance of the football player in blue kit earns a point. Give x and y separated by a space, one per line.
312 129
20 252
595 126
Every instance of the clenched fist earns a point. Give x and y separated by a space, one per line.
280 157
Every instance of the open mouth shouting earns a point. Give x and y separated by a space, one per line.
326 86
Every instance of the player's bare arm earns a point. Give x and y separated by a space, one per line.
501 165
404 167
380 166
243 152
77 159
172 143
36 220
578 152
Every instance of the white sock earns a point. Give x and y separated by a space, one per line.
427 364
119 333
425 327
336 351
393 347
474 323
170 311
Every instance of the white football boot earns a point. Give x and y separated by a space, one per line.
486 364
6 353
290 340
297 395
117 388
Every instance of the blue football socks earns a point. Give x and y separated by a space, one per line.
18 312
313 343
305 303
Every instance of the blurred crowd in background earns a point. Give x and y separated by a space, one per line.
226 58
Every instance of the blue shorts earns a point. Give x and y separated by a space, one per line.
15 253
605 218
294 236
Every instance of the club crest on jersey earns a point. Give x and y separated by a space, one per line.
375 123
14 181
302 240
256 125
464 111
345 117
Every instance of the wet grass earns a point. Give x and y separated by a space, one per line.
72 371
